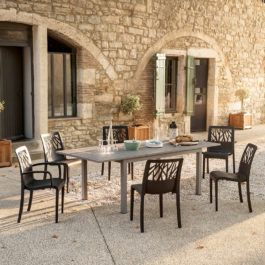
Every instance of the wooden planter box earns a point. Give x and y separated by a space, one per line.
241 120
139 133
5 153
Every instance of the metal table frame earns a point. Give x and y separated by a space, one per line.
123 157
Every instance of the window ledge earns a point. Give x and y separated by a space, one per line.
172 114
65 119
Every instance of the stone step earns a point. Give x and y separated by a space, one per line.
34 147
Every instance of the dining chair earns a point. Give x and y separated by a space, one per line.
225 136
120 134
241 176
29 182
51 143
160 176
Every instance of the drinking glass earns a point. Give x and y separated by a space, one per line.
100 145
115 147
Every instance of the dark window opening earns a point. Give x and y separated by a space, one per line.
171 84
62 80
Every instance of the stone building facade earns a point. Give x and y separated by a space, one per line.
116 43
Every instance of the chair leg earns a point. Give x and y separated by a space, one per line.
216 195
68 176
132 170
240 192
62 207
45 169
248 196
178 204
234 164
132 204
203 168
142 214
109 170
211 190
129 168
208 165
226 165
102 169
30 200
21 205
56 205
161 204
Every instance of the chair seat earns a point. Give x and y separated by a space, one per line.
71 162
137 187
36 184
219 175
216 155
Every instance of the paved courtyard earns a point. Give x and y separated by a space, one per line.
94 232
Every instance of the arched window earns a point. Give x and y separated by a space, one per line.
62 79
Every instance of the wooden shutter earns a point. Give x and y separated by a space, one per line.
160 85
190 85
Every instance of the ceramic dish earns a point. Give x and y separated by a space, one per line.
153 143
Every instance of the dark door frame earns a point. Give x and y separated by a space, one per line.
204 97
26 30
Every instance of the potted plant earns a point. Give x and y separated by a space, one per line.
242 94
5 147
242 120
128 106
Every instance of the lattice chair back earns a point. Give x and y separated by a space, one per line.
161 176
225 135
120 133
246 161
52 142
25 164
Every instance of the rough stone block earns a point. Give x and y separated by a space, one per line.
86 76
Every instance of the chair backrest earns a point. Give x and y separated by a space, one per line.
51 143
246 161
25 164
225 135
161 176
120 133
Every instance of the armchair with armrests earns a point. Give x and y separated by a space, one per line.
51 143
29 182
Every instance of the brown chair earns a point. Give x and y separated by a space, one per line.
51 143
28 182
160 176
241 176
120 134
225 135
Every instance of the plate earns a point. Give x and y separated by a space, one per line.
153 143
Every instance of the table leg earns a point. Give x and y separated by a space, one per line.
198 172
84 180
123 187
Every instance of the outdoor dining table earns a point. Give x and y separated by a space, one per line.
124 156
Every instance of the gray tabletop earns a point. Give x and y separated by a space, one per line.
92 154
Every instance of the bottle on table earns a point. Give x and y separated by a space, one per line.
173 130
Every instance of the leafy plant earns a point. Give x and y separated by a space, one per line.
242 94
130 104
2 105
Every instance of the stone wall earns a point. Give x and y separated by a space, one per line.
116 41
